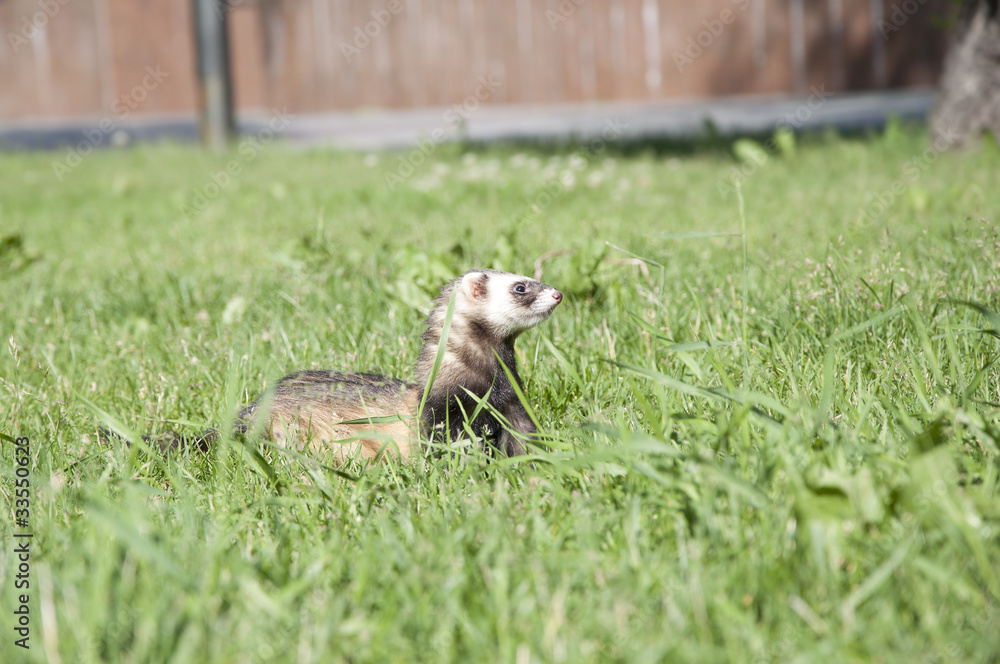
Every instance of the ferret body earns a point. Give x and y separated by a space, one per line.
366 415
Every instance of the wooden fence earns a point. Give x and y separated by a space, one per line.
77 58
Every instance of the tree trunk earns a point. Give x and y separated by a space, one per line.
968 102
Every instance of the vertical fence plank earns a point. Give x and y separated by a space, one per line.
633 79
246 59
905 25
818 46
859 72
546 57
652 64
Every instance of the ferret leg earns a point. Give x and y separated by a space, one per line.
521 425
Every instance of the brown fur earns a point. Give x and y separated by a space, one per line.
317 407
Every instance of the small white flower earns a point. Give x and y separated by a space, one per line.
595 179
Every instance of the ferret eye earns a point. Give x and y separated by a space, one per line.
520 289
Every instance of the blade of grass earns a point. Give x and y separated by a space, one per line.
442 347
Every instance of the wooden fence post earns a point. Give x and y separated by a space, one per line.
217 125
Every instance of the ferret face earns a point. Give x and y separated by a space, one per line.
507 303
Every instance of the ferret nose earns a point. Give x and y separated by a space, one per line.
557 296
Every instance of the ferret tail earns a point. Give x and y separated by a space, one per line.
167 443
173 442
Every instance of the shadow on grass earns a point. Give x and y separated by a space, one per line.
710 141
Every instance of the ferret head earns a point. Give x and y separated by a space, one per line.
503 304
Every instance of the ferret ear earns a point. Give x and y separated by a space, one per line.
474 285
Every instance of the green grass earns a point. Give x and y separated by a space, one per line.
787 457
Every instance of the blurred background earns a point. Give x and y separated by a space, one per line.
73 62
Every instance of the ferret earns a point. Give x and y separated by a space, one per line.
367 415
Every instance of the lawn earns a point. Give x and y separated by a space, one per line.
772 416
